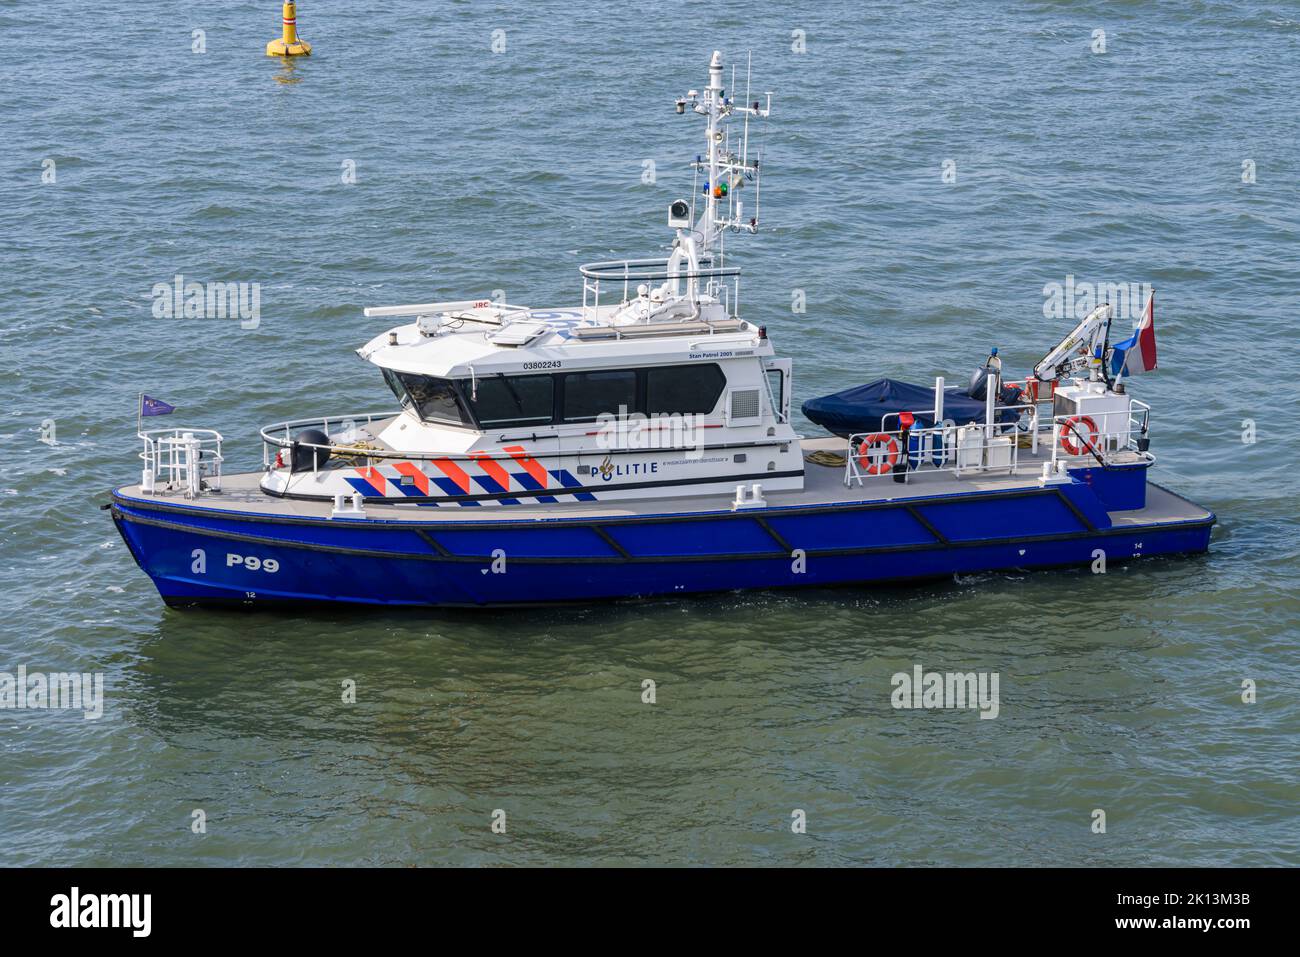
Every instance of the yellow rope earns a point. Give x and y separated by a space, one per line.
823 457
354 452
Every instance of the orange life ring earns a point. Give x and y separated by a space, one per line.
1068 433
878 440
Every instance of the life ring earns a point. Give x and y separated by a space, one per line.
872 443
1068 435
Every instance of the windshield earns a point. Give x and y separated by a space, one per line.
434 400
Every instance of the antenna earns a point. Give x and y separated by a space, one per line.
727 168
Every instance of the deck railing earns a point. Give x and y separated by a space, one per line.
942 448
1111 433
179 458
345 442
978 447
720 282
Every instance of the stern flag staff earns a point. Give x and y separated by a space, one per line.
151 406
1137 353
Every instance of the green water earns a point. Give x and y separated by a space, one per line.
478 171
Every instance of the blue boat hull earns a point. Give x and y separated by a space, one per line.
205 555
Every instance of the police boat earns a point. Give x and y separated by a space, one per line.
641 444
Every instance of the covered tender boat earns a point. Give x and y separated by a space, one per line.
866 408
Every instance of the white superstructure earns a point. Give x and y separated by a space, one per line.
653 386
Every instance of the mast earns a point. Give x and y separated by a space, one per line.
725 171
713 103
694 275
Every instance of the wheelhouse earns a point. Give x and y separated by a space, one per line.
504 400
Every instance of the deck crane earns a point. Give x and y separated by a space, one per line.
1075 353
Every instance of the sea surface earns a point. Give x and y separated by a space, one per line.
1170 159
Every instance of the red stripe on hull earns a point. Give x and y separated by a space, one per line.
454 472
375 478
493 470
529 464
417 476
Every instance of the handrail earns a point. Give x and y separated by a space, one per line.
320 420
323 423
957 459
1137 424
721 283
353 451
639 269
181 457
943 455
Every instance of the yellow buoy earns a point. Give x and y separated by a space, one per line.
289 44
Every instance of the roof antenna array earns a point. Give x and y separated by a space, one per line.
727 169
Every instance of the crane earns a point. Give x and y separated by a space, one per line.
1086 338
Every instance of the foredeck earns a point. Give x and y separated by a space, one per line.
823 485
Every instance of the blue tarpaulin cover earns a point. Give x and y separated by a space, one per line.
861 408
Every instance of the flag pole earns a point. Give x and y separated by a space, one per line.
139 410
1105 349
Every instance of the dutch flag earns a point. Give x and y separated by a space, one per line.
1137 353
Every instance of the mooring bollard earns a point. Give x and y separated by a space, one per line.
289 43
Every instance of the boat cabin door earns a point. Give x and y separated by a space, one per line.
778 373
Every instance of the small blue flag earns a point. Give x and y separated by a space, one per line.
152 406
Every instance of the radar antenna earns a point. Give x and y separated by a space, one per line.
727 170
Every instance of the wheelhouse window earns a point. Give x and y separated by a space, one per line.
399 390
434 400
505 401
588 395
511 400
683 389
